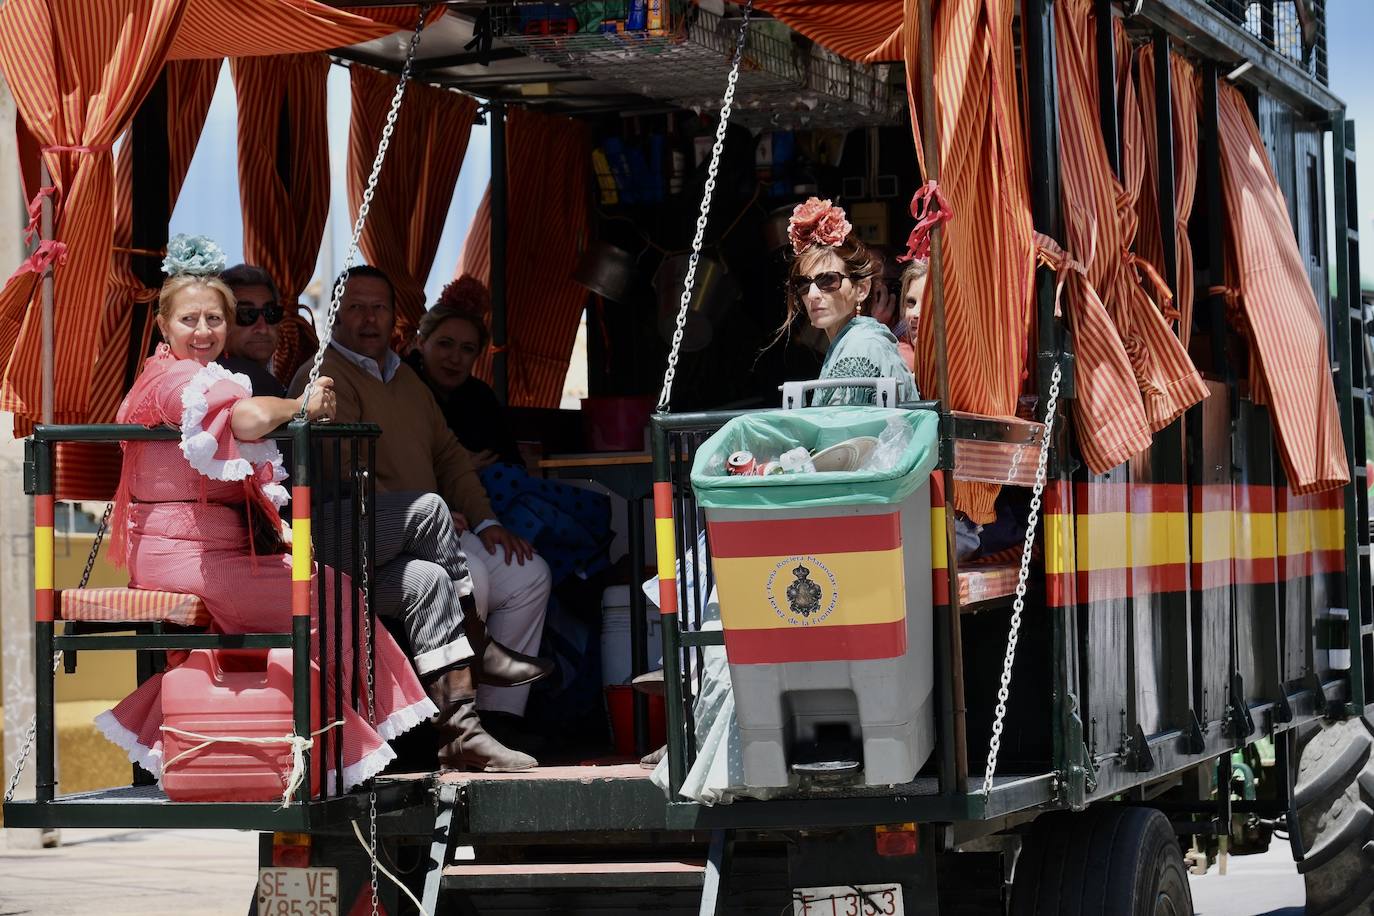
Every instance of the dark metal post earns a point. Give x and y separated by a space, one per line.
45 776
1106 84
679 723
45 234
300 596
930 143
499 214
151 210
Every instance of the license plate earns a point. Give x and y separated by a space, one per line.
298 892
848 900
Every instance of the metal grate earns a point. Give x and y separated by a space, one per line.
782 82
1277 25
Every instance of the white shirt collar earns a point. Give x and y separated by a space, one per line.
383 373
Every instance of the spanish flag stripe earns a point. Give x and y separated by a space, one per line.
817 536
853 588
860 642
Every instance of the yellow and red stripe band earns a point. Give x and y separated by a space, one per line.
42 557
300 551
823 588
665 541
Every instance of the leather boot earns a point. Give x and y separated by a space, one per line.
466 745
497 665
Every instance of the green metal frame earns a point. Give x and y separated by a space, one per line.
138 805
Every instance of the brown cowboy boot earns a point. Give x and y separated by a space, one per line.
497 665
466 745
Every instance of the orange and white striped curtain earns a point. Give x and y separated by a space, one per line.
1185 90
549 198
190 86
411 201
1134 377
989 252
1279 311
78 72
284 182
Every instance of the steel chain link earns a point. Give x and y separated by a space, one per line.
363 556
31 733
363 207
666 395
1019 605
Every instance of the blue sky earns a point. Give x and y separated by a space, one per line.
209 201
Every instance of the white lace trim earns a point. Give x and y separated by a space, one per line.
360 772
150 758
199 446
403 720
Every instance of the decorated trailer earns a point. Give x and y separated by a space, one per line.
1128 331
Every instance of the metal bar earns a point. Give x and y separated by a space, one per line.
337 615
639 632
499 213
930 142
321 609
370 488
1343 339
679 724
1106 84
714 882
151 210
45 229
446 801
45 775
302 543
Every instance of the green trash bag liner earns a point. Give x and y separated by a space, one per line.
770 433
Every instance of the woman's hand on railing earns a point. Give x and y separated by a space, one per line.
323 401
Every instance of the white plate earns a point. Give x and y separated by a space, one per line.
845 900
298 892
848 455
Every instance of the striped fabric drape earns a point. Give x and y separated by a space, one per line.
548 196
858 29
260 28
1278 307
78 72
191 86
284 182
1134 377
1186 97
989 254
416 183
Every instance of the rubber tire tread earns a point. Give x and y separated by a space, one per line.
1334 796
1077 864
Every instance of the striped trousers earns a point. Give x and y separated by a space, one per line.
423 571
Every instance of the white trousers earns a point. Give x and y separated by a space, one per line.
512 599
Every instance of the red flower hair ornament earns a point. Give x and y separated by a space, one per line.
817 222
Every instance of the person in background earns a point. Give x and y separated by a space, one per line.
569 526
253 333
913 288
417 457
831 276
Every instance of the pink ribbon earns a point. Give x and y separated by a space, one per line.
929 208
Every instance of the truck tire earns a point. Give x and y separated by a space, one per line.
1117 861
1334 798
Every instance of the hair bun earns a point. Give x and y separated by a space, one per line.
193 255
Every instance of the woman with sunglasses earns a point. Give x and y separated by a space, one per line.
831 276
254 330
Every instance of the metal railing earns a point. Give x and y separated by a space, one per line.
1278 24
338 459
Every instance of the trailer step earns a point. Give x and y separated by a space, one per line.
521 876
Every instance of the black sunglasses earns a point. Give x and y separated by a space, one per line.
245 316
827 282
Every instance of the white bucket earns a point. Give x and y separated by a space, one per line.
615 636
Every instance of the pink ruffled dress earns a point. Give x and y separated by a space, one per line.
180 524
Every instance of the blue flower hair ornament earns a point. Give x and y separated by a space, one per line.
193 255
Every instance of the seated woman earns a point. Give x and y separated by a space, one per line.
568 526
831 276
199 516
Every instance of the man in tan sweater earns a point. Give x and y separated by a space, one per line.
417 457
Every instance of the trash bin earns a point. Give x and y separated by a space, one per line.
824 583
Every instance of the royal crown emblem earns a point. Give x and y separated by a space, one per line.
803 595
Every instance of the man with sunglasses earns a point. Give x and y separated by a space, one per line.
253 333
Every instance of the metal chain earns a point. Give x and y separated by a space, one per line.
31 733
666 395
1019 605
363 554
363 208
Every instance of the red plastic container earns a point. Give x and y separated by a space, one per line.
616 424
230 693
620 704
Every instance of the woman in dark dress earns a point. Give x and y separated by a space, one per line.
569 526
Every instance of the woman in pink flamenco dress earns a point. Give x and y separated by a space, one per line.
185 509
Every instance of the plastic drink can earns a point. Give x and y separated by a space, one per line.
740 463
